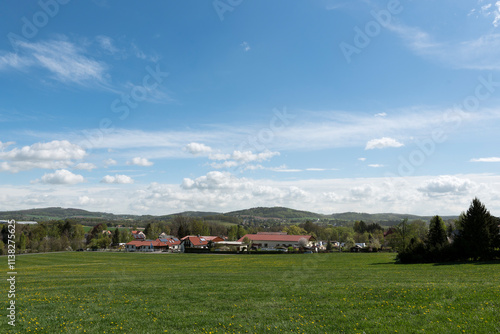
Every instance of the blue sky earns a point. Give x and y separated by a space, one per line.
322 105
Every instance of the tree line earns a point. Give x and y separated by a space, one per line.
474 236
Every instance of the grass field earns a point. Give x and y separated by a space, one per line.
90 292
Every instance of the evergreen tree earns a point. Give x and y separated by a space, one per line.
116 237
436 237
478 235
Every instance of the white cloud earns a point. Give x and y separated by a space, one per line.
85 166
117 179
382 143
238 158
492 159
225 164
106 43
248 156
5 145
54 150
488 10
214 180
197 148
327 130
245 157
109 162
224 192
137 161
245 46
64 60
375 165
446 184
381 114
361 192
51 155
62 176
362 159
284 169
496 21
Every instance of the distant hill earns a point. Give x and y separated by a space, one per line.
275 212
53 213
267 213
192 214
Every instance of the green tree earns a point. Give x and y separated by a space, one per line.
349 243
152 231
198 227
22 242
116 237
360 227
181 225
478 232
436 236
403 235
125 235
374 244
294 230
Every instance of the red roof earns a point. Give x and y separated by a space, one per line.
139 243
207 237
276 237
155 243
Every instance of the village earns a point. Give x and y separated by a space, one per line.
261 241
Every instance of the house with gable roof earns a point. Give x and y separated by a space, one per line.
279 239
199 241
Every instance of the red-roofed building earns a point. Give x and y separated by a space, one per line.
154 245
139 235
192 241
274 240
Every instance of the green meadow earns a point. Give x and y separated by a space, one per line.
92 292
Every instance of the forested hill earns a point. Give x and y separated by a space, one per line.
279 213
275 212
53 213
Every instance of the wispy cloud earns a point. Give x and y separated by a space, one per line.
328 130
65 61
107 44
482 53
245 46
492 159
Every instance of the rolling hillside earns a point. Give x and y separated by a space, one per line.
266 213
